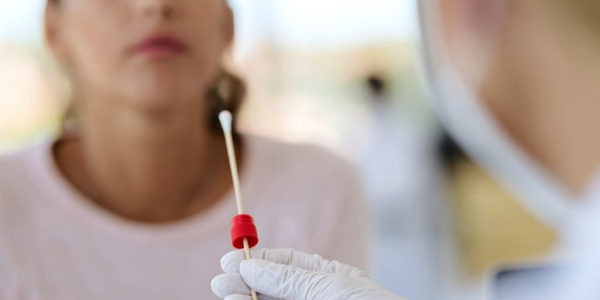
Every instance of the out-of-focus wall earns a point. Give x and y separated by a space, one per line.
30 104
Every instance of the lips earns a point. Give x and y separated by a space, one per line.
160 46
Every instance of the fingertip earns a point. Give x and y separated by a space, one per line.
230 262
229 284
217 286
216 283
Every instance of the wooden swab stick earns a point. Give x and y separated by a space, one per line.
226 120
226 123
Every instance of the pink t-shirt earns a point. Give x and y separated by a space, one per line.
56 245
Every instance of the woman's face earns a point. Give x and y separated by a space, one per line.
154 54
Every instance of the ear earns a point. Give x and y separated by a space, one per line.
53 32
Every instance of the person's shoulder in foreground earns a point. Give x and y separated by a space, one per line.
313 182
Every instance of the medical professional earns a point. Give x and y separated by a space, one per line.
516 84
134 200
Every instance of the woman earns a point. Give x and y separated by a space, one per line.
136 203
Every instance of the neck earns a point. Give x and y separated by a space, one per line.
147 168
547 96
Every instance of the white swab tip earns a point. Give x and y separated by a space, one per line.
226 119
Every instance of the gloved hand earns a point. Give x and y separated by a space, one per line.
292 275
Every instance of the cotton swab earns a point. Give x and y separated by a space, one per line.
243 230
226 123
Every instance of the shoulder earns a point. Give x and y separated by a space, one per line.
18 180
15 165
16 183
303 158
12 167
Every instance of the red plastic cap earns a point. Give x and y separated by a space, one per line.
242 227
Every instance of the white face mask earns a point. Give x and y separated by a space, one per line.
469 122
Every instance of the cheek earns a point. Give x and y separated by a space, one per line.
206 29
94 44
100 62
208 54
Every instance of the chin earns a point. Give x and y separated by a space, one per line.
164 95
167 100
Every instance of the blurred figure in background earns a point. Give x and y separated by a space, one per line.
402 187
134 201
516 85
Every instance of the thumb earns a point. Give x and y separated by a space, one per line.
289 282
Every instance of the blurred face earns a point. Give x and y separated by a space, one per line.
475 34
513 74
153 54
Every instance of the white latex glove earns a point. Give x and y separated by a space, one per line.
292 275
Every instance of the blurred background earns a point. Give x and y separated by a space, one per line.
340 73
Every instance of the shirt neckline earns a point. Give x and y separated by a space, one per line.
58 190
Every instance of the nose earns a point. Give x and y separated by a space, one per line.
163 9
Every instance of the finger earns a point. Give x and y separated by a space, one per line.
246 297
229 284
309 262
285 281
230 262
238 297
